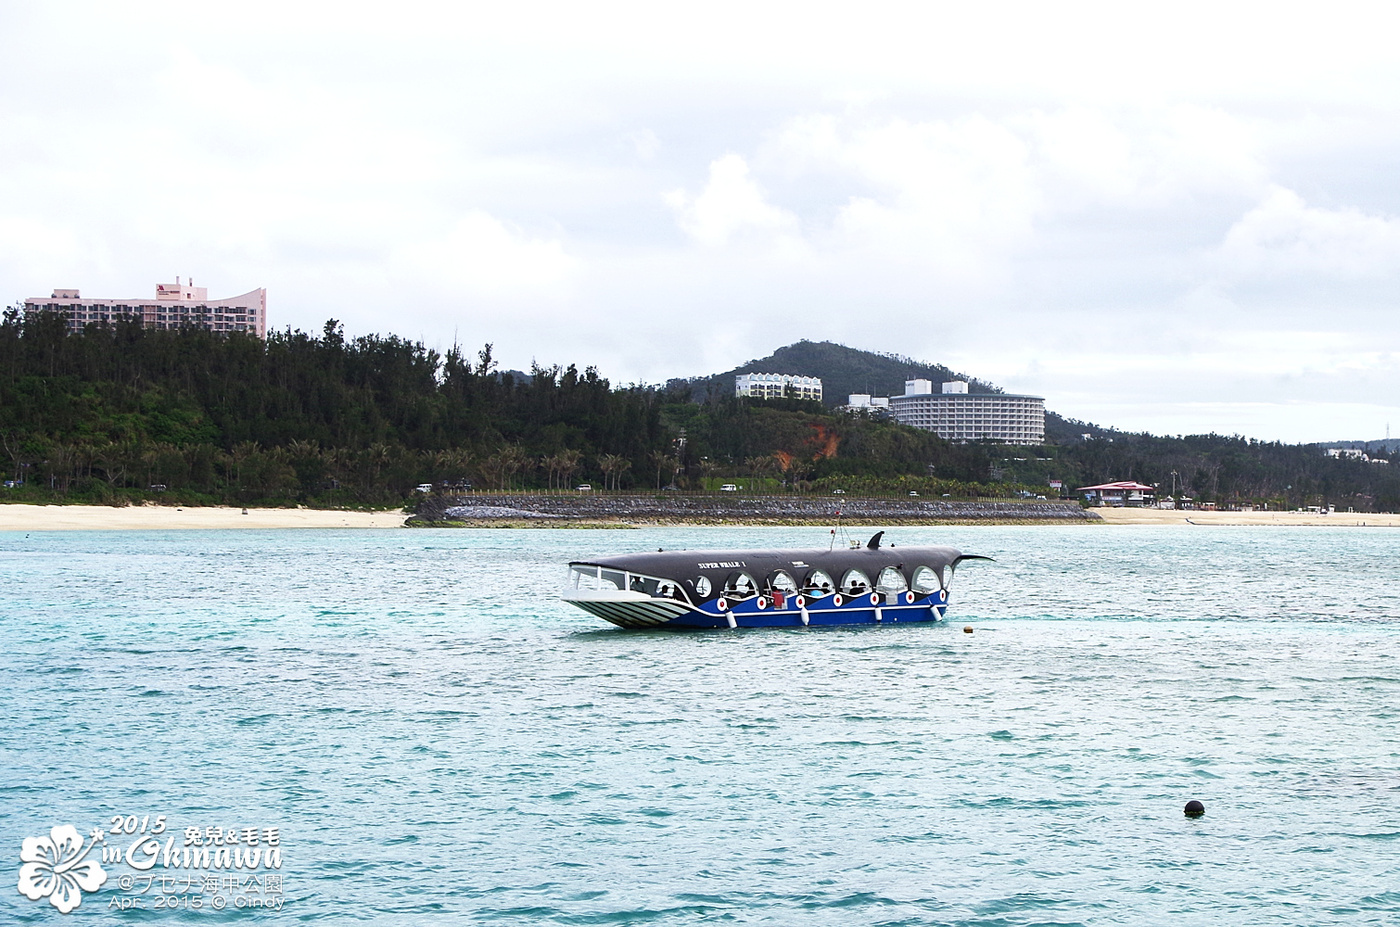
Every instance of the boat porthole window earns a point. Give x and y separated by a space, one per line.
819 583
891 580
926 580
855 582
782 581
740 585
702 587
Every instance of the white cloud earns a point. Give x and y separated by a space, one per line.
645 143
732 205
1283 236
481 256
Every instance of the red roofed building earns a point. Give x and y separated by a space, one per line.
1117 494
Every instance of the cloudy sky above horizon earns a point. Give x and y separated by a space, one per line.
1179 222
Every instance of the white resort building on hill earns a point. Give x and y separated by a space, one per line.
175 305
958 415
777 386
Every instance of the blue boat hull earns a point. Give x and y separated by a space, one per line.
764 612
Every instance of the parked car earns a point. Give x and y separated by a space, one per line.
729 487
425 487
913 492
584 487
838 492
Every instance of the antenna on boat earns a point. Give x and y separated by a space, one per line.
841 528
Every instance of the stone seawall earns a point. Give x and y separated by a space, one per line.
676 508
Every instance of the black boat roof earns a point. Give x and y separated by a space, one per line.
718 564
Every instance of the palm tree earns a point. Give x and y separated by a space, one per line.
662 460
513 460
240 453
377 456
553 463
623 466
501 466
758 466
569 461
608 464
707 467
613 466
491 469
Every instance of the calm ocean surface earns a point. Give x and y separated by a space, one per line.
437 739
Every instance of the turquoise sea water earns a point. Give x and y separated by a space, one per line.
438 739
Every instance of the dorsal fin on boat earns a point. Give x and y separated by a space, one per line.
874 543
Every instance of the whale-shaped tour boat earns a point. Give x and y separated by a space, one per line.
767 588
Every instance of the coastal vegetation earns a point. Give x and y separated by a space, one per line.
122 413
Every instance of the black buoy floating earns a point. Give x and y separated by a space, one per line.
1194 809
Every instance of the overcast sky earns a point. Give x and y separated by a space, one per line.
1178 219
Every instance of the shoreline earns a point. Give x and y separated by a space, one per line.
675 509
1197 519
565 523
29 517
19 516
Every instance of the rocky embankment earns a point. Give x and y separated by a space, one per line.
544 510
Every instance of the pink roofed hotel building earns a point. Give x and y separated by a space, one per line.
175 305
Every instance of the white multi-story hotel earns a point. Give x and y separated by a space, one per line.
777 385
864 402
958 415
175 305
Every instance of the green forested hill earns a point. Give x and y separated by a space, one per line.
844 371
112 412
115 411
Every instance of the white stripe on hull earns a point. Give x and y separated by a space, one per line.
646 614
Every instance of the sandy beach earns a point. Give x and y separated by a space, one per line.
1127 516
171 518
